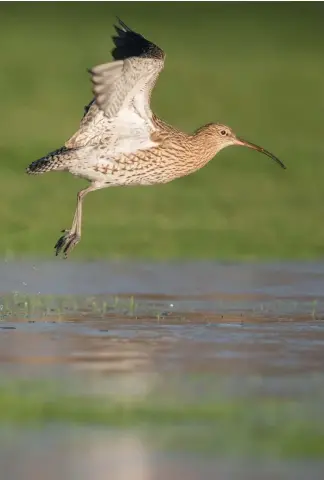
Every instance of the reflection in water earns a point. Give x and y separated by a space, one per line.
196 331
86 454
117 368
118 456
78 454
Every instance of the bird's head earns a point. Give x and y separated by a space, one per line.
222 136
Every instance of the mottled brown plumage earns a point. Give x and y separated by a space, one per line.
120 141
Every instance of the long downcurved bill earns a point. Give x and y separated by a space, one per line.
244 143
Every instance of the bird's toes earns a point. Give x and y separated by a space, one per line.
66 242
71 243
59 244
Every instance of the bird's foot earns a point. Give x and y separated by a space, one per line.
66 242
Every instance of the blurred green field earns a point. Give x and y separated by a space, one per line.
276 428
256 67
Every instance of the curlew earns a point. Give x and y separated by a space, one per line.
120 140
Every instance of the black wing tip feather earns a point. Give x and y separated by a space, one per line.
131 44
122 24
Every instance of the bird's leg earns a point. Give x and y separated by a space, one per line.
72 237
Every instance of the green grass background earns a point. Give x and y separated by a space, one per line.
258 67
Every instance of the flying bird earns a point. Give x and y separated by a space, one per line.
120 140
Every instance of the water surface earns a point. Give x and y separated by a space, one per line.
195 337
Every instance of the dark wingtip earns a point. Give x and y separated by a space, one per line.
129 43
123 24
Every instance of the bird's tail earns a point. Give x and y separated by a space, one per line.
56 160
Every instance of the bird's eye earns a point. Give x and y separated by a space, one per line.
223 132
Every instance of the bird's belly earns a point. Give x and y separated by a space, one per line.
137 169
142 175
117 177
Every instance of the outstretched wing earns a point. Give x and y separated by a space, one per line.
120 114
127 82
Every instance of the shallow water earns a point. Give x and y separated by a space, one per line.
189 333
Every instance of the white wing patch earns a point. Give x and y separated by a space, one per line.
125 133
129 132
